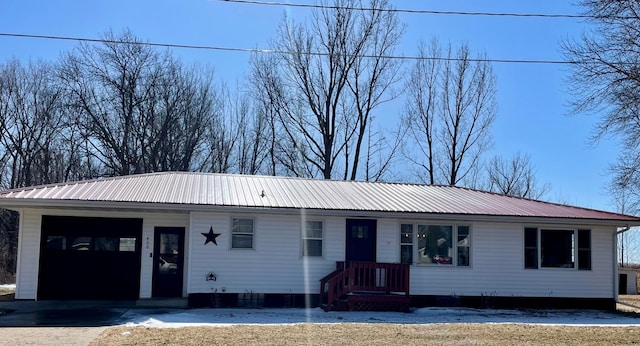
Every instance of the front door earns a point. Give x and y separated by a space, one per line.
361 240
168 259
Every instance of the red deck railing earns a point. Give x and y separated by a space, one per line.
364 278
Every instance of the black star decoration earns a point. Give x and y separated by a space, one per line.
211 237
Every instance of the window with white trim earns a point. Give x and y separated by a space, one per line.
406 243
437 244
312 239
242 231
557 248
463 246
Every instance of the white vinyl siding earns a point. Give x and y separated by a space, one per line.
275 265
387 240
498 269
28 255
150 222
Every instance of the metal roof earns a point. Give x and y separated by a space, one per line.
209 189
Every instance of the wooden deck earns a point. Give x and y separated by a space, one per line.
366 286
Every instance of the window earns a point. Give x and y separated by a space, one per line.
436 244
557 248
584 249
531 248
127 244
56 242
312 239
242 234
463 246
106 243
80 243
406 243
101 243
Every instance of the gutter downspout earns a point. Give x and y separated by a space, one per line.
624 229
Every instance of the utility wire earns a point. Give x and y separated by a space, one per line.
413 11
256 50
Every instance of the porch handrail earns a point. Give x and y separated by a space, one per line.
373 277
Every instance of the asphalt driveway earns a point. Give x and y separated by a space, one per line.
58 322
62 314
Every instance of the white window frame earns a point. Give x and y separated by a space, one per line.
304 238
252 233
407 241
454 240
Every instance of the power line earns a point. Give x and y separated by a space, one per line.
152 44
271 51
414 11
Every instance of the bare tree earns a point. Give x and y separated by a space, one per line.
449 113
421 110
32 126
175 117
106 86
237 136
629 240
333 72
139 110
381 154
605 80
515 176
275 102
34 147
253 138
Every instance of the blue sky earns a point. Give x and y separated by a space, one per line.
532 99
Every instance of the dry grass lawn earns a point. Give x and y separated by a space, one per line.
379 334
630 299
373 334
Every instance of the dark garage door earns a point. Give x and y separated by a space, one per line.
89 258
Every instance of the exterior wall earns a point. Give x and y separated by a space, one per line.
29 245
28 254
274 265
388 238
497 269
150 221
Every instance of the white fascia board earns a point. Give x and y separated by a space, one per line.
17 204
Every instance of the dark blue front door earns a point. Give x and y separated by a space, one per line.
361 240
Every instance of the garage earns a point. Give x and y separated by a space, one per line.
89 258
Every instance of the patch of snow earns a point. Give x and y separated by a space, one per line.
230 317
8 286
